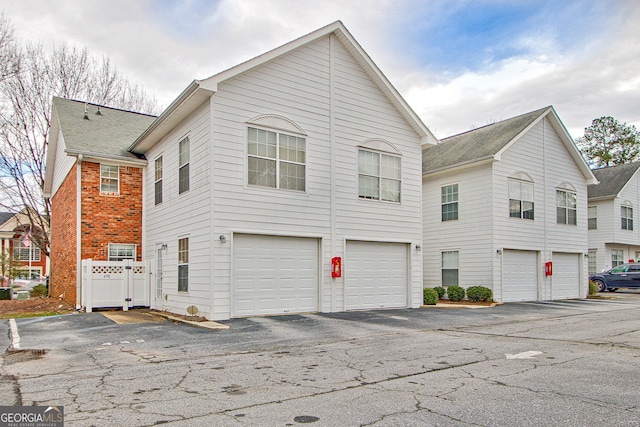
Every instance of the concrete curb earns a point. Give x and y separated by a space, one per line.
471 306
206 324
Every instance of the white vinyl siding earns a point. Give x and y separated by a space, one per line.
303 86
109 179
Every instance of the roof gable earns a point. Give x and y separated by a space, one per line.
200 90
612 180
489 142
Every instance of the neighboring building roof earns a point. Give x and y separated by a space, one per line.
5 216
477 144
96 130
489 142
200 90
612 180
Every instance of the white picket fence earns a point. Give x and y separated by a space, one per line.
115 284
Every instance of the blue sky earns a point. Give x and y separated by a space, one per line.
459 64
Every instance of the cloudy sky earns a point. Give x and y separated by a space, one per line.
460 64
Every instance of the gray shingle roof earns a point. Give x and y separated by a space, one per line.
109 133
477 144
612 180
5 216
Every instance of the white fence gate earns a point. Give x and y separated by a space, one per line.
115 284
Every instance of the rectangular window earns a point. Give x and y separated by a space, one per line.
626 216
449 200
593 253
184 156
566 202
25 253
592 215
109 179
276 160
520 199
617 257
118 252
29 274
379 176
183 265
449 268
158 180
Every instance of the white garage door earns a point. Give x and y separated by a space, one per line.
375 275
274 275
519 276
565 280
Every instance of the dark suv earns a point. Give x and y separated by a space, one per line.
622 276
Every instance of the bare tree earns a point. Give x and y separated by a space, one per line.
26 93
9 59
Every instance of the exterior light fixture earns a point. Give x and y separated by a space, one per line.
223 239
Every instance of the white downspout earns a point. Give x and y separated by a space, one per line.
79 231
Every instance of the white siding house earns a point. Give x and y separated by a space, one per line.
501 201
259 176
614 235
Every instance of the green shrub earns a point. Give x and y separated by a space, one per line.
441 291
593 288
430 296
455 292
39 291
479 294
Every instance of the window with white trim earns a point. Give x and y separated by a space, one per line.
450 266
379 176
158 181
449 202
593 254
566 207
617 257
183 264
521 199
25 253
626 217
592 217
184 157
119 251
109 179
276 160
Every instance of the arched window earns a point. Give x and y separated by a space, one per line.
276 153
626 215
521 196
566 204
379 171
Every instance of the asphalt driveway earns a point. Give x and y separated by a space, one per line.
552 363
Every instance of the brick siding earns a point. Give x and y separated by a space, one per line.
106 218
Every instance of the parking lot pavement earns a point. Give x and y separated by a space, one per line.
564 362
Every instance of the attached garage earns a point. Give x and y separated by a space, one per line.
274 275
375 275
519 276
565 280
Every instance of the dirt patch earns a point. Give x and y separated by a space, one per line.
33 307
